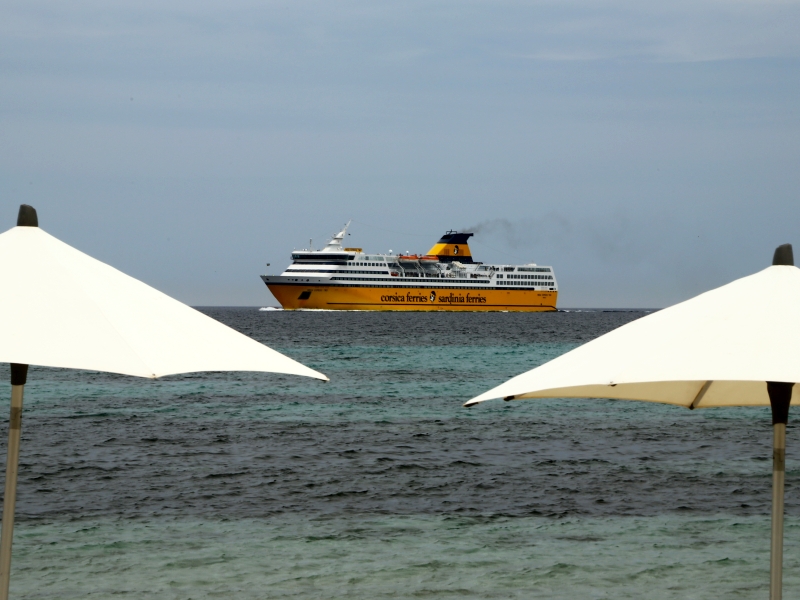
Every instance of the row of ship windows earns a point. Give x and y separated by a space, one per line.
439 282
536 277
435 284
528 283
508 269
348 271
354 272
359 263
396 279
549 277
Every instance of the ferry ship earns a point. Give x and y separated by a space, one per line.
444 279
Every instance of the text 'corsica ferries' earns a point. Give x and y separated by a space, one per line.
446 278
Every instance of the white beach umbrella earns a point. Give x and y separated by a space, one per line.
737 345
62 308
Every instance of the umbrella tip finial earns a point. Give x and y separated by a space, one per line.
27 216
783 255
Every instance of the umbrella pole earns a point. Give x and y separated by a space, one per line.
780 396
19 375
778 474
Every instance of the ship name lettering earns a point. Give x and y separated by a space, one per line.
393 298
415 298
457 299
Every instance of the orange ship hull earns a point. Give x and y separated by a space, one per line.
338 297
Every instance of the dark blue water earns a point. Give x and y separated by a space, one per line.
379 484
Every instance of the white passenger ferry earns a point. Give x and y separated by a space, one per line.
446 278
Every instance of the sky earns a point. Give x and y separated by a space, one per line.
647 151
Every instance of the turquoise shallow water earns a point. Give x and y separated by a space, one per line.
402 557
379 484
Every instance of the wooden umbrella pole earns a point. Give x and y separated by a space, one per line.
19 375
780 397
778 475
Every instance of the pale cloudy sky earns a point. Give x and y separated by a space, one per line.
648 151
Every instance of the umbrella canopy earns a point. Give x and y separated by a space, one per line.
62 308
737 345
716 349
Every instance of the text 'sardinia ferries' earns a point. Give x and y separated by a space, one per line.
446 278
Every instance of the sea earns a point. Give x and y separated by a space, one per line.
380 484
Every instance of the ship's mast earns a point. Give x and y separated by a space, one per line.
335 244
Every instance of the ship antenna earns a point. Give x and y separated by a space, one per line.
342 234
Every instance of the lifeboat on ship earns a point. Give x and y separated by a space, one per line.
408 259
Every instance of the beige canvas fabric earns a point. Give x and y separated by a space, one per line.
62 308
717 349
